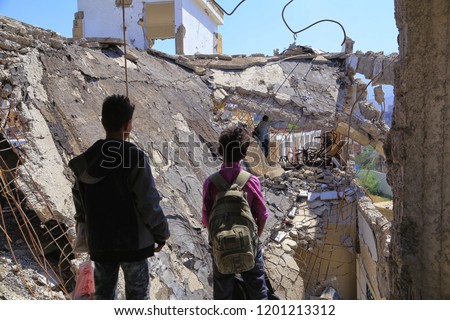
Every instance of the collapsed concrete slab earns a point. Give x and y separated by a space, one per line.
56 88
308 91
57 94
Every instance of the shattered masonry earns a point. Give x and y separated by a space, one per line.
55 87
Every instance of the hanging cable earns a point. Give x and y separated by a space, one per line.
223 10
320 21
125 46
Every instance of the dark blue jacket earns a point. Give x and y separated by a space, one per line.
116 197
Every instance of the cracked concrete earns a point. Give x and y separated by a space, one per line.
58 87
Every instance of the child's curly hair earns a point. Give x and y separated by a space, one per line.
233 144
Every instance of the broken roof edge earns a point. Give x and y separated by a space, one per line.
199 63
210 6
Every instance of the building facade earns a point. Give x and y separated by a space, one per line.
192 23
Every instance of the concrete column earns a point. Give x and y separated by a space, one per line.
418 153
180 29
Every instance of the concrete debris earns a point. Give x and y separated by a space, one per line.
369 111
132 56
59 118
375 66
360 137
12 276
278 236
290 262
292 212
330 195
290 243
328 293
321 60
6 90
313 196
379 94
56 85
215 56
316 194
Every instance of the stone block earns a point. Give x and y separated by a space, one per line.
290 243
313 196
290 262
286 248
56 43
292 212
320 60
293 234
77 23
132 56
331 195
77 32
126 3
361 137
368 111
278 236
6 91
79 15
315 204
9 45
276 172
368 127
379 148
282 99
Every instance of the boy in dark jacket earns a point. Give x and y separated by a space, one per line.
116 198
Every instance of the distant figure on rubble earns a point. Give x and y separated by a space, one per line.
262 131
117 202
235 214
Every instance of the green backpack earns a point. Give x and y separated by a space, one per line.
232 229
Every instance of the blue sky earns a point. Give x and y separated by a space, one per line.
256 26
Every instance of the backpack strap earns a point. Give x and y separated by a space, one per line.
242 179
219 181
223 185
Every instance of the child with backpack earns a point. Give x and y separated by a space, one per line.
235 214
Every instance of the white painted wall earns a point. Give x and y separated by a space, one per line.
199 26
367 236
103 19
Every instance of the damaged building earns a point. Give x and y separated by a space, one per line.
324 239
192 23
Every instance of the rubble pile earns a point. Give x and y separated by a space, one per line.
302 203
308 179
37 285
54 88
56 93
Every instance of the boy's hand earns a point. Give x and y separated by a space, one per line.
159 246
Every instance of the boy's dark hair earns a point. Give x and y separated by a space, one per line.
265 118
116 111
233 144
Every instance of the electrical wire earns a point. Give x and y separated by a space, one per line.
124 28
224 11
320 21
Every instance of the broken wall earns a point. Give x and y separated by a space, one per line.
57 91
417 153
331 259
103 19
194 23
372 252
200 21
